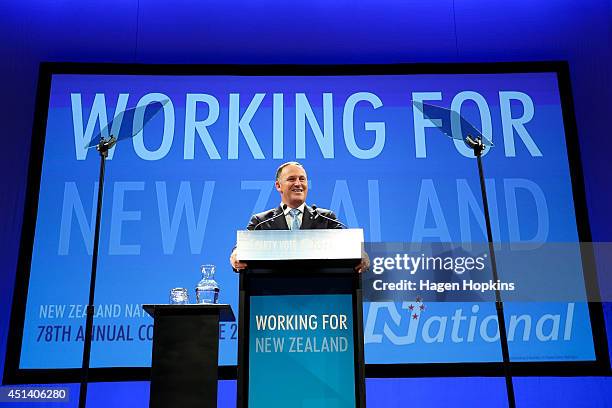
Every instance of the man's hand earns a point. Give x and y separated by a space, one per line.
236 264
364 265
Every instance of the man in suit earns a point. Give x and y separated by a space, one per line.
293 213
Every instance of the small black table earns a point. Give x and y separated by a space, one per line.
184 364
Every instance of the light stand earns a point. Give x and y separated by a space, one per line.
103 147
478 147
144 115
447 119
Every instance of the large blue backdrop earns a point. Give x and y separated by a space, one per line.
267 33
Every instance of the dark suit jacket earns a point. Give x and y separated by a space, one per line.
310 220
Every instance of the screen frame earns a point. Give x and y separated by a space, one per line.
598 367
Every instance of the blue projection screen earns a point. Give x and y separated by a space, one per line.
177 192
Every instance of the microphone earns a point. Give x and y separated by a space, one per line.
283 207
318 214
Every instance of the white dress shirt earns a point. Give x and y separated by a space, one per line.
289 217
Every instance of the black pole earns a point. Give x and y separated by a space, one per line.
103 148
478 148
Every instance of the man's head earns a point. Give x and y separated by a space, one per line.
292 183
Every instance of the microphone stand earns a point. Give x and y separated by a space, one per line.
103 148
478 147
338 222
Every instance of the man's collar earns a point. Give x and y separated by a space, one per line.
301 208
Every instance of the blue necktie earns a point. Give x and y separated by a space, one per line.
295 223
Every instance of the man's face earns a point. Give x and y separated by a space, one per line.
292 185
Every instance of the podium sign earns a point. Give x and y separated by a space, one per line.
301 351
287 245
300 326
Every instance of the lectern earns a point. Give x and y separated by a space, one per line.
184 364
300 336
